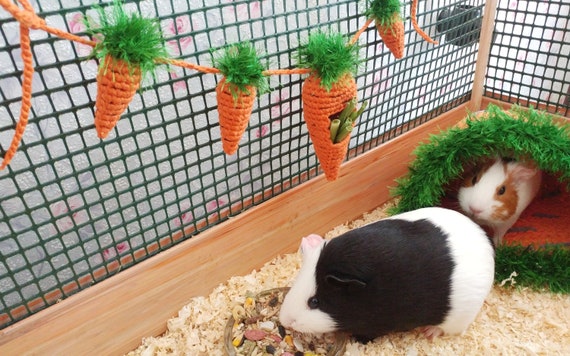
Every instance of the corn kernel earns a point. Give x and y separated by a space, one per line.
289 340
237 341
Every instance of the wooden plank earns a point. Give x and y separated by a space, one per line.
485 39
112 316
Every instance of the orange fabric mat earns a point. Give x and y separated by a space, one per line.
546 220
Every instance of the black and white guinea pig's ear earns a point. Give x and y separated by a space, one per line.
311 243
345 282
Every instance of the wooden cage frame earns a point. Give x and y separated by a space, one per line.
113 316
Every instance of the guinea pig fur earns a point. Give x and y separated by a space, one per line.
497 193
430 268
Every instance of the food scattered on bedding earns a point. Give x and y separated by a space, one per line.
254 329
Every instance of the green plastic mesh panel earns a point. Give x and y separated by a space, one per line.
530 57
75 209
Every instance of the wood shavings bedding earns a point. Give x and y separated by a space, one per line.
511 322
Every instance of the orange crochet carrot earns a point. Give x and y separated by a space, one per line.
117 84
390 26
326 93
243 80
129 47
392 33
234 113
319 105
389 23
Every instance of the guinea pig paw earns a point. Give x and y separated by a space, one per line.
311 243
431 332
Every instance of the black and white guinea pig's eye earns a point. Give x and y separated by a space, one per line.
313 303
502 190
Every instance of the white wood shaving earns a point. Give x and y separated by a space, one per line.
511 322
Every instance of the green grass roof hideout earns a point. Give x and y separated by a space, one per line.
441 160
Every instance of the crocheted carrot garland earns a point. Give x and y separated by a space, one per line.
129 47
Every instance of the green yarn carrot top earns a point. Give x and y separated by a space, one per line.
242 68
131 38
330 56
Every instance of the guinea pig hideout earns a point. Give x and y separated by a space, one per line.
144 174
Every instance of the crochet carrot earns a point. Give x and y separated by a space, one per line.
128 49
389 23
117 84
390 26
326 93
236 92
319 105
234 111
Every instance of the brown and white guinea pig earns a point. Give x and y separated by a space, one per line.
497 192
430 268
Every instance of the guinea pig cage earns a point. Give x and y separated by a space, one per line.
107 230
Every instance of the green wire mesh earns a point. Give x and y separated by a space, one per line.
75 210
530 58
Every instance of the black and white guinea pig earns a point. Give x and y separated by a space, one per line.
497 192
431 268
